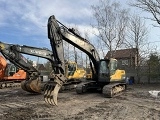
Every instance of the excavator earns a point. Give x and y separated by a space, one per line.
10 75
73 71
57 33
74 74
32 74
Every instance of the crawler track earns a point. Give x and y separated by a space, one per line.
113 89
8 84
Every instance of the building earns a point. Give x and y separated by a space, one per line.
125 57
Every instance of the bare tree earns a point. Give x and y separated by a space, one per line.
70 52
150 6
137 38
111 22
136 32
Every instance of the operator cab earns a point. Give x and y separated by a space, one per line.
113 66
11 69
104 73
70 69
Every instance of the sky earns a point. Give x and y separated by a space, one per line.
24 22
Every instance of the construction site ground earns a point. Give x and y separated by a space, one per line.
133 104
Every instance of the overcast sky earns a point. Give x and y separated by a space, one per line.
24 22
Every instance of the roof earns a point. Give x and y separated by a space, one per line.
123 53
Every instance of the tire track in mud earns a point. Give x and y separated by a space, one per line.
16 110
19 113
17 104
131 105
117 109
69 104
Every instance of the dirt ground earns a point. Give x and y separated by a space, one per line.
133 104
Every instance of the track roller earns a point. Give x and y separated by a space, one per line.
2 85
81 88
112 90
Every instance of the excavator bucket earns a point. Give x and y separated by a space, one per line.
51 93
33 86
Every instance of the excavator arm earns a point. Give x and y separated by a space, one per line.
73 38
17 58
57 34
13 54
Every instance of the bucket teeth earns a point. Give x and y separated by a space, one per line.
47 92
51 93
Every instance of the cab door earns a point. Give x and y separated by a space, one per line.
104 72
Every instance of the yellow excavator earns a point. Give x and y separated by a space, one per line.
115 73
102 69
73 71
74 74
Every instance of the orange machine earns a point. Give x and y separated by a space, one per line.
10 75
